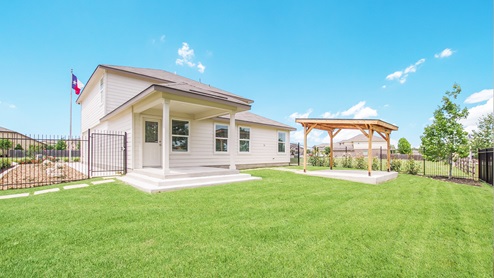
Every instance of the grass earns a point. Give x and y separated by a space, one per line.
285 225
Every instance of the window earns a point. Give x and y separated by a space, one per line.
221 137
101 90
151 132
180 136
244 139
281 141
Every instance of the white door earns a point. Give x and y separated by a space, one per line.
152 143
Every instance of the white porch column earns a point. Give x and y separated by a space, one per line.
232 138
165 137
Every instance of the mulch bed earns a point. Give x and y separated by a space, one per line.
459 180
33 175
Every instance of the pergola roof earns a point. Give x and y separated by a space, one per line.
359 124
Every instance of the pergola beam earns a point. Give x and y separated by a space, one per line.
334 126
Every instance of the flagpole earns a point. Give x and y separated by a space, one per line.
69 145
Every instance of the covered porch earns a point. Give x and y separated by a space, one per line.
334 126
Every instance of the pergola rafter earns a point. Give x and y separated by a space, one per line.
334 126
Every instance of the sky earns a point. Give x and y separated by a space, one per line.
388 60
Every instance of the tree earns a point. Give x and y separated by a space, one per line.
445 137
18 147
482 137
404 146
61 145
327 150
5 144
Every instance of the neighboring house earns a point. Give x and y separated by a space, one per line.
356 146
172 121
17 138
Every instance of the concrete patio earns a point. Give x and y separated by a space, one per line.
361 176
153 180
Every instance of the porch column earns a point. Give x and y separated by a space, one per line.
232 138
165 137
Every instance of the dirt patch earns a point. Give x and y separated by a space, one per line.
33 175
460 181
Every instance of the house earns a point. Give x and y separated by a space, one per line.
17 141
356 146
172 121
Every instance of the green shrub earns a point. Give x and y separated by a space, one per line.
18 147
66 159
375 164
411 167
77 159
360 162
5 163
347 162
395 165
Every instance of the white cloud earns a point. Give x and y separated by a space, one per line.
483 95
384 86
475 113
354 109
162 38
394 75
329 115
295 115
445 53
365 112
12 106
201 67
402 75
187 55
187 58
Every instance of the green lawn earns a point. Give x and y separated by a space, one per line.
286 225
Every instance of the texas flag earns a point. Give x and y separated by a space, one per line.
76 84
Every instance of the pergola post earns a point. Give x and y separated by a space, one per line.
388 135
330 133
305 148
369 151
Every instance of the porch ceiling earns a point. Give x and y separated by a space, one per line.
189 110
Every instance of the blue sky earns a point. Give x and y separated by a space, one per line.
391 60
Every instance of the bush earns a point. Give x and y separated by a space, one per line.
411 167
375 164
77 159
395 165
18 147
4 164
360 162
347 162
66 159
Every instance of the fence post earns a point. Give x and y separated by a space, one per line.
125 154
89 153
298 153
423 157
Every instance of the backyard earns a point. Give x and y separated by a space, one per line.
283 225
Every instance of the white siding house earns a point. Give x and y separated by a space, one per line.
172 121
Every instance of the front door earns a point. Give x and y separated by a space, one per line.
152 143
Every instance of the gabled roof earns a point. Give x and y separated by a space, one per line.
249 117
3 129
363 138
178 82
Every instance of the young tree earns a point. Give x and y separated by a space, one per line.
18 147
61 145
327 150
404 146
482 137
5 144
446 137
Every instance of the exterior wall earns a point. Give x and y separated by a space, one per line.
92 108
123 123
263 147
365 145
120 88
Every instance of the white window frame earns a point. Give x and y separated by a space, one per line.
177 135
214 138
102 84
278 142
248 140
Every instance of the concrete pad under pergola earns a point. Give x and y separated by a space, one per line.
334 126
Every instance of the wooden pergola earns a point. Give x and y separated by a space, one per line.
334 126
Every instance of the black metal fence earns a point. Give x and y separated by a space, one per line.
486 165
461 168
37 160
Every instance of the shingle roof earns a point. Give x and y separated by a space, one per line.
250 117
172 80
361 138
3 129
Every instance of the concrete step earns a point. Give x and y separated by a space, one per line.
185 172
154 185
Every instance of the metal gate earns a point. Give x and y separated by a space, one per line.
107 153
486 165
